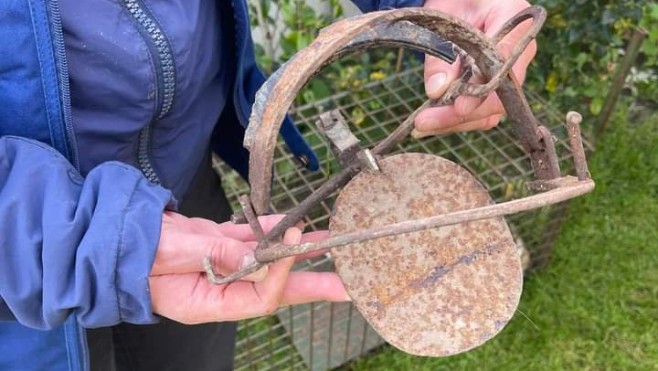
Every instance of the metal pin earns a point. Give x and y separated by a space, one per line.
252 218
221 280
367 160
575 140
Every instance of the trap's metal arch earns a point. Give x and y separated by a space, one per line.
323 335
480 56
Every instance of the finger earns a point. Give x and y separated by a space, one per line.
190 298
242 300
506 46
307 287
315 236
494 21
196 300
438 76
440 118
184 252
482 124
270 290
243 232
310 255
240 232
258 275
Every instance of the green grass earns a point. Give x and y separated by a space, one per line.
595 307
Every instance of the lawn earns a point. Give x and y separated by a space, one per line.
595 307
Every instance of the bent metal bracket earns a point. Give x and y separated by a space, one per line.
424 252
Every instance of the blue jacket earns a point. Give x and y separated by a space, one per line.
95 98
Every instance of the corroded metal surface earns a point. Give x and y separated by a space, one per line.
553 191
460 279
277 94
436 292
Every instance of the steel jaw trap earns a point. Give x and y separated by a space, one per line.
424 252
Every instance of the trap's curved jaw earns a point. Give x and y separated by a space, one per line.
427 290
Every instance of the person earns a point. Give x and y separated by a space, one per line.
110 113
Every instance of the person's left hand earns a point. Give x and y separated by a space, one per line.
181 291
469 113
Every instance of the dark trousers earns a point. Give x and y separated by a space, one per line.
169 345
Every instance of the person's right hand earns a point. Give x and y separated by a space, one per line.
470 113
181 291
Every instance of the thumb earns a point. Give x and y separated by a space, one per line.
182 250
439 75
229 256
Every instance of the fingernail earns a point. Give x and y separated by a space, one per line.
428 125
423 121
418 134
434 85
247 260
423 124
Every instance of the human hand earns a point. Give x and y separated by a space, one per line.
181 291
470 113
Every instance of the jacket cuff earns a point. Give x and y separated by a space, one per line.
136 251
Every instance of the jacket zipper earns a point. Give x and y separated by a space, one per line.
165 74
63 75
75 336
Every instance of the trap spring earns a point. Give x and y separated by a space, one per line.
434 254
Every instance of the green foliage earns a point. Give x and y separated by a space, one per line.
289 26
647 77
581 45
298 24
579 50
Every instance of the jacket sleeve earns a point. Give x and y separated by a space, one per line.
373 5
74 246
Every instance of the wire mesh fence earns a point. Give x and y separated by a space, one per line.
322 336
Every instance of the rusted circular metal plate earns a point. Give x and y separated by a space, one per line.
436 292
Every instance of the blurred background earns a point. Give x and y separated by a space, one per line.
590 299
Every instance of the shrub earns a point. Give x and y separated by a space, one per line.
587 40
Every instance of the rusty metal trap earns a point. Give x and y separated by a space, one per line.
418 228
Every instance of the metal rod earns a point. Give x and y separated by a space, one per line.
549 145
570 188
252 219
221 280
575 141
538 17
298 213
